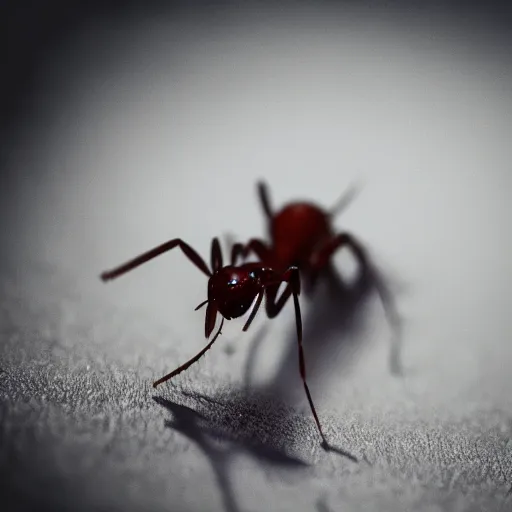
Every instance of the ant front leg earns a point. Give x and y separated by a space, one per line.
292 277
190 253
216 256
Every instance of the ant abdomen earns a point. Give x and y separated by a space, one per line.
296 231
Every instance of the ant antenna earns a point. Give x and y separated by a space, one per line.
345 200
190 362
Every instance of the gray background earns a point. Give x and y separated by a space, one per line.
144 128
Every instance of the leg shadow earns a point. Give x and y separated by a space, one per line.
321 506
208 429
256 342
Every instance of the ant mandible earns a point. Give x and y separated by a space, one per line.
232 289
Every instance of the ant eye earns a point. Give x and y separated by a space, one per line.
232 282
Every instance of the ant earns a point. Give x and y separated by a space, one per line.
232 289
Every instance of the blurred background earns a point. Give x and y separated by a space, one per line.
125 124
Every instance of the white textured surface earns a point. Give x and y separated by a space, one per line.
162 132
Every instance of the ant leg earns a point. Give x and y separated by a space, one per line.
210 318
293 278
274 308
345 200
254 245
190 253
254 311
183 367
216 255
321 259
237 250
264 199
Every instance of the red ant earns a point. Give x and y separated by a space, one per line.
232 290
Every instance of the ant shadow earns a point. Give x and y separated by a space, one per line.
226 427
321 506
231 421
333 331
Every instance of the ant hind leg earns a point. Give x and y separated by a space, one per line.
321 260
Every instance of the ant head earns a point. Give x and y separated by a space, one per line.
233 290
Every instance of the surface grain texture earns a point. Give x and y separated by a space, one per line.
84 430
